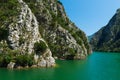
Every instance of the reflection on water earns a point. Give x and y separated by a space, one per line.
98 66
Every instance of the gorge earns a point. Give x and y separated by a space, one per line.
38 41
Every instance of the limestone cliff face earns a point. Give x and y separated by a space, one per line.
63 37
42 29
23 31
108 37
23 34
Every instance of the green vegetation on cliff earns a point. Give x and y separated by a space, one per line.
8 9
13 56
51 18
40 28
40 47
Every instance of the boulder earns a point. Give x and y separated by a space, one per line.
11 65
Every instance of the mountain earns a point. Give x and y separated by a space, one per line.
108 37
34 32
90 37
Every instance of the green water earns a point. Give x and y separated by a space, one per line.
98 66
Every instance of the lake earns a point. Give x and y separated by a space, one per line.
97 66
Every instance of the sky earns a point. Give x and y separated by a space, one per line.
90 15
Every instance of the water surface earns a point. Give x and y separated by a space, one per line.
98 66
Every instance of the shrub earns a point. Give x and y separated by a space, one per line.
20 60
21 40
5 59
40 47
24 60
8 10
72 51
3 33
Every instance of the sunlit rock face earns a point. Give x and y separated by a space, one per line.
108 37
41 29
23 33
65 40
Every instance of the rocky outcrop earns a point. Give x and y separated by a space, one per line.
11 65
46 60
23 33
108 37
65 40
37 30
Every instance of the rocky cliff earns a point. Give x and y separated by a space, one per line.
33 31
108 37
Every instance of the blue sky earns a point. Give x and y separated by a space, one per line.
90 15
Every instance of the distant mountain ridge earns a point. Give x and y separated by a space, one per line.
90 37
108 37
